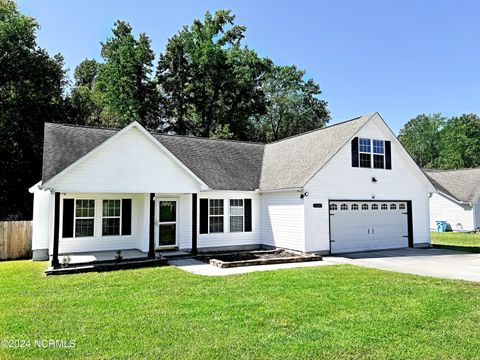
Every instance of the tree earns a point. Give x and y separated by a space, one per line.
209 82
123 88
460 142
80 105
31 88
294 105
421 138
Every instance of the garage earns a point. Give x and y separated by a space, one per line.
368 225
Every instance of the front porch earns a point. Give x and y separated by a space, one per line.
104 261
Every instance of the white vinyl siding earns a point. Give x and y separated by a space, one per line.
137 240
228 238
42 214
283 221
460 217
337 180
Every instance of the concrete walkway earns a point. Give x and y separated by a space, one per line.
448 264
441 263
200 268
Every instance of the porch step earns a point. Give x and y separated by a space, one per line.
107 266
174 254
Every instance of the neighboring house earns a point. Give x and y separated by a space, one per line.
347 187
457 201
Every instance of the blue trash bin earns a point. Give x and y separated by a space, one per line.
441 225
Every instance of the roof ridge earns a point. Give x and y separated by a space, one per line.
153 132
322 128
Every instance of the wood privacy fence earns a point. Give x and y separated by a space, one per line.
15 240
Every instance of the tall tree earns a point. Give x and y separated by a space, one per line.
294 105
80 105
421 138
209 81
31 88
460 142
123 87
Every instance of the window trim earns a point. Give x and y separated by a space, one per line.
75 217
371 154
230 215
113 217
222 216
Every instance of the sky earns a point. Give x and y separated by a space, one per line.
400 58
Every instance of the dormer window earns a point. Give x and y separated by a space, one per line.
371 153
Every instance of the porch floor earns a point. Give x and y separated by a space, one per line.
102 256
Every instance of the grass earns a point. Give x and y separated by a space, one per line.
324 312
457 241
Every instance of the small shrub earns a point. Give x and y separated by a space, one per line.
119 256
66 261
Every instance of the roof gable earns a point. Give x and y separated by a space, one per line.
291 162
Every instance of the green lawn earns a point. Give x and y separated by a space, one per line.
323 312
457 240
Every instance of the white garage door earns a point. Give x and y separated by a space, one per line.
363 226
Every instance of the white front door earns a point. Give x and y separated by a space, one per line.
167 211
362 226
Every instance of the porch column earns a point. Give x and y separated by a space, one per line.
151 244
194 223
56 230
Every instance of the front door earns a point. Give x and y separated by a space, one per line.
167 222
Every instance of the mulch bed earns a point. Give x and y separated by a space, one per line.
260 257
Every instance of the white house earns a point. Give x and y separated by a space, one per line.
344 188
457 200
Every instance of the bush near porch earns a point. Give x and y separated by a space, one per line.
324 312
457 240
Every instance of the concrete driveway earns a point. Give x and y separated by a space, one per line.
441 263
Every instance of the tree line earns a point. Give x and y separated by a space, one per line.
436 141
206 82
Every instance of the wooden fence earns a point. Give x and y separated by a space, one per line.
15 240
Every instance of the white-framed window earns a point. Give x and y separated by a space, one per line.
215 215
111 217
237 215
378 154
365 153
374 207
84 217
371 153
364 206
393 206
344 207
333 207
354 207
384 207
401 207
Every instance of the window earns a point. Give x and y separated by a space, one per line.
364 206
354 207
344 207
384 207
216 215
393 206
378 154
236 215
111 217
401 207
365 153
374 207
333 207
371 150
84 217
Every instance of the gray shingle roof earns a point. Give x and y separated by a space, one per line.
462 185
291 162
221 164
